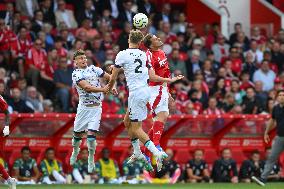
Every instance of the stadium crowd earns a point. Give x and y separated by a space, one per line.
49 169
38 38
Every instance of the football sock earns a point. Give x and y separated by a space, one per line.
3 172
136 146
91 143
158 128
151 147
76 142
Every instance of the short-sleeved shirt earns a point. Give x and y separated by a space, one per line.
44 168
92 75
278 115
26 168
134 64
197 167
63 76
3 104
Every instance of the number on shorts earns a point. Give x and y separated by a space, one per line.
139 66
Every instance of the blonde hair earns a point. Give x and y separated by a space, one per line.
135 36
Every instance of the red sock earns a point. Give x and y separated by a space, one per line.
4 172
158 128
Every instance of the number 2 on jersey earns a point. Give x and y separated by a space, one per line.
139 66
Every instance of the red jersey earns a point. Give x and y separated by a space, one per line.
159 63
3 104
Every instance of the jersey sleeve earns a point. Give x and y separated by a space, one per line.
100 72
3 105
119 60
77 76
149 60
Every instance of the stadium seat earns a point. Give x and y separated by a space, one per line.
238 156
2 7
210 156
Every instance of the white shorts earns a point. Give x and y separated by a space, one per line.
88 118
137 103
159 100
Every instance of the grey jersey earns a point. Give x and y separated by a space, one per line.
91 74
133 62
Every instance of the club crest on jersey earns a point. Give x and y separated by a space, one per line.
162 62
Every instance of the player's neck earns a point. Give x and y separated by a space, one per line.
133 46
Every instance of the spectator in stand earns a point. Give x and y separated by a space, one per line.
27 8
197 169
115 6
146 7
76 46
215 64
25 168
17 104
176 63
180 25
87 12
208 37
170 37
48 13
256 35
225 169
122 40
233 37
28 25
265 75
198 45
107 169
169 173
63 82
193 64
106 18
164 15
200 94
64 15
245 81
229 102
47 106
242 41
99 54
126 14
49 39
219 89
133 172
255 51
51 168
36 58
276 56
249 65
189 109
259 93
251 104
220 49
190 35
58 45
87 27
212 108
34 99
8 14
37 22
208 73
80 170
236 61
22 85
275 174
251 167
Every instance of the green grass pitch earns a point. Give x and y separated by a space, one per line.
153 186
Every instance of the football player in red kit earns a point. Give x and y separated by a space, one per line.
160 96
6 132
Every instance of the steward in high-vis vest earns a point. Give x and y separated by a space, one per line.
51 169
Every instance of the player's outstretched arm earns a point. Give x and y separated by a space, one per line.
91 89
113 77
155 78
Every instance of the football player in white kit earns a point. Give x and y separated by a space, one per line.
87 82
134 63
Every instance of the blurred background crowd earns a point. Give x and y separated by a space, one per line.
239 74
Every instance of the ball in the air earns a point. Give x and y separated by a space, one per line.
140 20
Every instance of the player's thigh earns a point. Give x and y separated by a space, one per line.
161 105
137 104
81 123
95 116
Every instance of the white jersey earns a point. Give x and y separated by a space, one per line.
91 74
133 62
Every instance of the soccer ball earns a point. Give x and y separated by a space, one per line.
140 20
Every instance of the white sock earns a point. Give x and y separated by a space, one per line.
76 143
58 177
152 148
77 176
136 146
91 143
46 180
